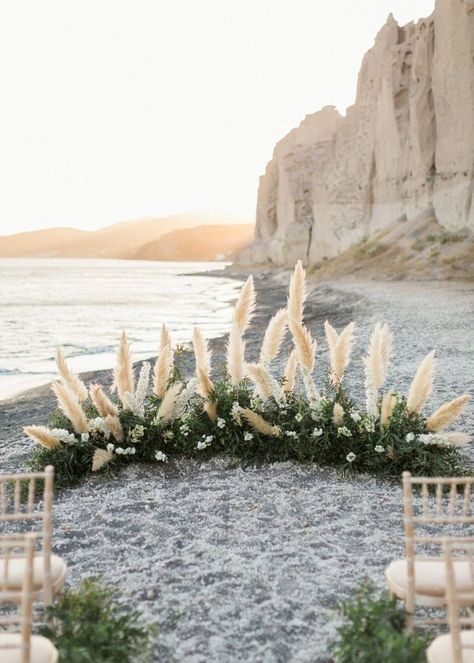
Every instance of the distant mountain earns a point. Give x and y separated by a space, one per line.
217 242
136 239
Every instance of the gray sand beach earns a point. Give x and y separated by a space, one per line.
250 564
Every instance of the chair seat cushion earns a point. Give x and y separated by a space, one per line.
430 577
441 649
42 650
16 570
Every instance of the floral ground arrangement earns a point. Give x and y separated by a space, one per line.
248 412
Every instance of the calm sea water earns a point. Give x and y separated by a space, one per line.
83 305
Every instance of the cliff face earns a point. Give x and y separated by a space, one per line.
404 149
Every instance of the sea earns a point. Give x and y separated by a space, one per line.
83 306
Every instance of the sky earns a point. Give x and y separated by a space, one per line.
119 109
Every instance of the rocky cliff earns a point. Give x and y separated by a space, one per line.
404 149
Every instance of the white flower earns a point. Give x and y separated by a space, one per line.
343 430
434 438
410 437
137 433
110 447
369 426
85 437
291 433
298 417
355 416
205 442
235 413
63 435
248 436
317 432
221 423
120 451
160 456
184 430
351 457
379 449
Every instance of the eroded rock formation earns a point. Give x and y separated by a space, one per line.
405 148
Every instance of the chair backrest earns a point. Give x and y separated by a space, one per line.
19 503
433 501
458 616
10 548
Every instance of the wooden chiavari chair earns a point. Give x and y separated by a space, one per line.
421 580
457 646
19 645
18 504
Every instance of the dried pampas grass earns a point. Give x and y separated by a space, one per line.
162 371
124 380
297 294
245 306
386 410
378 356
274 335
114 427
43 436
340 349
102 403
69 404
100 459
165 337
266 385
69 377
210 408
203 363
422 384
304 344
337 414
259 424
166 411
447 413
458 439
290 372
235 355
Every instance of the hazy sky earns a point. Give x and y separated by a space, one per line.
116 109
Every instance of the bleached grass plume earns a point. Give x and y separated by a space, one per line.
376 364
337 414
274 336
235 355
124 379
166 411
103 404
259 423
136 401
114 427
184 397
100 459
305 345
165 337
290 372
69 404
458 439
245 306
162 371
422 384
69 377
266 385
340 349
203 363
297 295
42 435
210 408
386 410
447 413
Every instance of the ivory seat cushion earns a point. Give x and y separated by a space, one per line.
430 577
441 649
16 570
42 650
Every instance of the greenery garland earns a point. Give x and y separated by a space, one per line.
249 414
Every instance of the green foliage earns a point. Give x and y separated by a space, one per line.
373 630
87 625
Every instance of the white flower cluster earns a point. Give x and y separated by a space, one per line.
291 433
221 422
248 436
64 436
184 430
98 425
235 413
205 442
317 432
161 457
355 416
434 438
344 432
137 433
136 401
351 457
379 449
129 451
298 417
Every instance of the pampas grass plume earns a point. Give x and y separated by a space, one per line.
259 424
236 355
167 407
290 372
304 344
337 414
113 425
210 408
101 457
69 404
274 335
422 384
162 371
340 349
69 377
42 435
447 413
386 410
458 439
245 306
165 337
103 404
297 294
203 363
124 378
